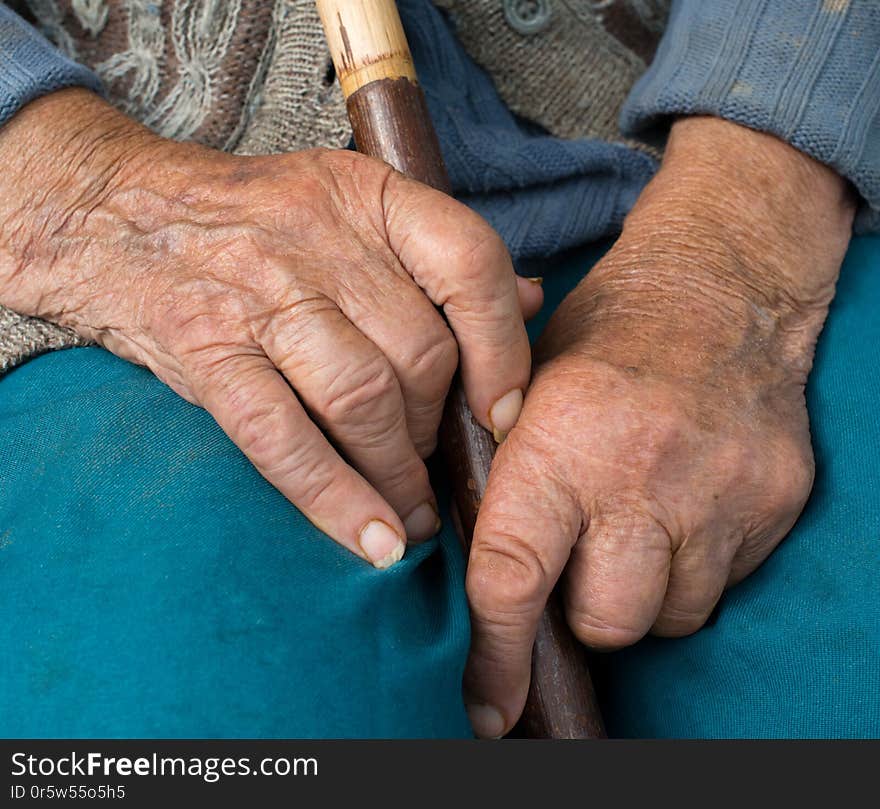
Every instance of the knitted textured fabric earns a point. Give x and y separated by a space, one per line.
255 78
542 194
242 72
23 337
298 105
543 78
808 72
235 76
24 72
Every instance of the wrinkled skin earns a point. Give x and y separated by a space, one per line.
663 450
236 279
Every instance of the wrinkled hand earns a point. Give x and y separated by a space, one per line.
291 296
663 450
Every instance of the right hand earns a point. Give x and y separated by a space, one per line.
291 296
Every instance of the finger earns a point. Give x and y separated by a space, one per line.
531 295
463 266
697 578
616 579
419 346
256 408
353 393
526 527
756 548
782 506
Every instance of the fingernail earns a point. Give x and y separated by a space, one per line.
381 544
504 414
536 279
422 523
487 722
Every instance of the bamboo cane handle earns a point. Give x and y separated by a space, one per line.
390 120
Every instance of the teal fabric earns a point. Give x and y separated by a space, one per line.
152 584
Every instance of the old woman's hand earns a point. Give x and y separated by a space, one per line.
292 296
664 447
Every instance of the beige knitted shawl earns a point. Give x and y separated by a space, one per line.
254 76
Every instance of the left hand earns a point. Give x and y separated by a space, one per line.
293 296
663 450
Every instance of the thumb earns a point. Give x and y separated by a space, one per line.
526 528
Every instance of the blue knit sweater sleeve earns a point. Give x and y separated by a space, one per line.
807 71
30 66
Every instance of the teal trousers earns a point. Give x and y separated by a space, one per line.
152 584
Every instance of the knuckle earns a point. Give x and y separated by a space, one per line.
677 622
633 519
796 471
406 477
482 240
315 482
188 326
351 175
289 331
340 161
433 365
366 397
506 579
480 254
425 447
214 368
599 633
258 425
195 317
781 476
755 550
422 422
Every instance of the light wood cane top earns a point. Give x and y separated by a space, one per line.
366 42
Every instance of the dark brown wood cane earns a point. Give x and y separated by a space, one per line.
390 120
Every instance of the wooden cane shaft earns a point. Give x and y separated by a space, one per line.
390 120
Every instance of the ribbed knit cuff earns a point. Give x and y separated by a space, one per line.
30 66
807 71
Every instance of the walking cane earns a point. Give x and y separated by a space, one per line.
389 118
